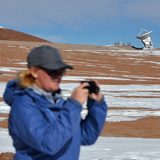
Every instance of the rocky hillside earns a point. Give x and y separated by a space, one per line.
12 35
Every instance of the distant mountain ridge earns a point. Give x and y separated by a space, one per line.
12 35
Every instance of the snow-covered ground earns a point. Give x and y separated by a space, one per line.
116 96
110 147
113 148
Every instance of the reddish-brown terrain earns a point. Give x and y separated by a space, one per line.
12 35
119 62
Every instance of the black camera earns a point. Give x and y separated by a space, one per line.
93 88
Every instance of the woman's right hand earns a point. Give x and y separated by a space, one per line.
80 93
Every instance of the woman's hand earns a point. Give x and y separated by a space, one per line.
80 93
98 97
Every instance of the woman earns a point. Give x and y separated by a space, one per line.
42 124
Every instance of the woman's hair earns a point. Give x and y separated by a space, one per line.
25 79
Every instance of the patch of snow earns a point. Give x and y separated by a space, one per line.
11 69
76 78
22 63
112 148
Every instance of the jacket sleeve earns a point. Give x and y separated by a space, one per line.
31 126
92 125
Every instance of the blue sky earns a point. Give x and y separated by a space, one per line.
90 22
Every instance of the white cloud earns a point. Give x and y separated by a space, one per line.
146 9
75 13
68 13
52 38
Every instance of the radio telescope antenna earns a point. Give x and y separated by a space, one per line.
145 39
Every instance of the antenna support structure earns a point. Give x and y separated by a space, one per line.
145 39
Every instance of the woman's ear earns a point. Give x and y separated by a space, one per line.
33 71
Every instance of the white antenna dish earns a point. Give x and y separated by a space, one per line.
145 39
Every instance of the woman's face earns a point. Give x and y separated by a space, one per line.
47 81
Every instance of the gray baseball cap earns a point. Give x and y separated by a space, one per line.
46 57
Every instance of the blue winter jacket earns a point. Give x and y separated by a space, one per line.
42 130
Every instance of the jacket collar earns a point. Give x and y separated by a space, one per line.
47 95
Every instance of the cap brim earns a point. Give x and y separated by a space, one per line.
55 66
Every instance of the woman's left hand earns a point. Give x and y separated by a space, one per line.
98 97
